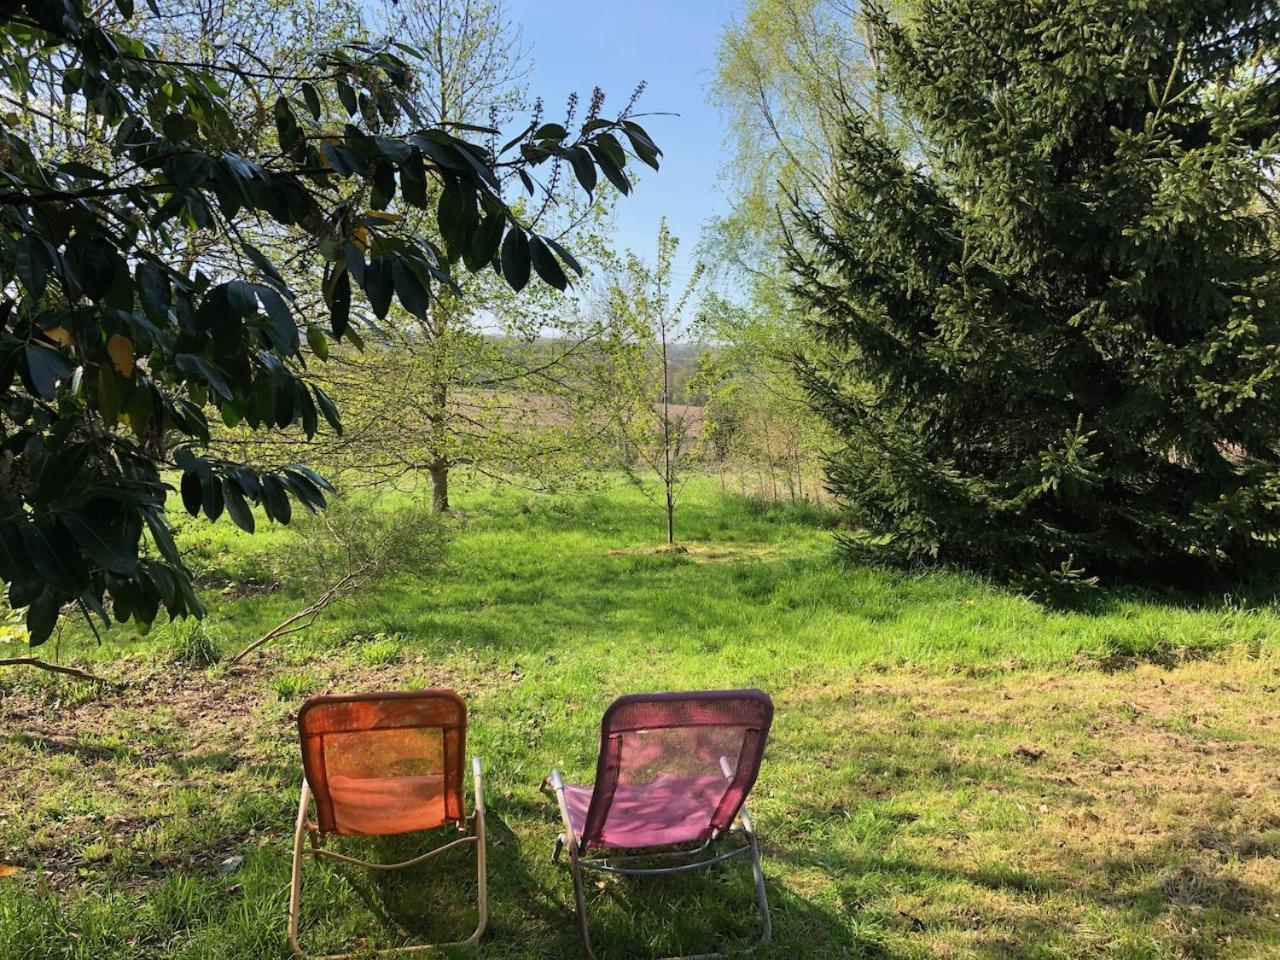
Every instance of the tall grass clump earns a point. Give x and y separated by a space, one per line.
189 642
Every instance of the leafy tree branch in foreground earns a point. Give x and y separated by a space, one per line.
117 339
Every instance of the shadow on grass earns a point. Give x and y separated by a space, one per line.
630 917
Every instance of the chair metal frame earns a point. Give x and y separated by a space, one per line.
305 827
578 865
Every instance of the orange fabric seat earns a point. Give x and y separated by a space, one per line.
384 763
375 807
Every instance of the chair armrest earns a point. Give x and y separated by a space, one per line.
477 776
557 784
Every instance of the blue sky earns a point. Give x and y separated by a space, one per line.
614 44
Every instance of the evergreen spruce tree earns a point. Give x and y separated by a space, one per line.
1052 335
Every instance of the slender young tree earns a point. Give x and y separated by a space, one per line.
789 75
1054 333
655 426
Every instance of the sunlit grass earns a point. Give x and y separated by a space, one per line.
955 770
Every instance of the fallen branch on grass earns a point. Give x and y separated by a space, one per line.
304 617
368 544
56 668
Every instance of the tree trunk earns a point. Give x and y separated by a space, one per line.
439 467
671 515
440 486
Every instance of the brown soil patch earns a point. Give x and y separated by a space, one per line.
705 552
167 730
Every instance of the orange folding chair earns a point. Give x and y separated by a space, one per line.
380 764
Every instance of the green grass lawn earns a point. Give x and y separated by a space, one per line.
954 771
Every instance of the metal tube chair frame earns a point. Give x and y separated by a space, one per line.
689 859
306 828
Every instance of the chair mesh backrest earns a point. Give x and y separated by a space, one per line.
680 738
403 748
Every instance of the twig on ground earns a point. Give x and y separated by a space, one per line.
57 668
304 617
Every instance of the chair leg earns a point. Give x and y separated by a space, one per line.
569 840
580 901
762 899
482 863
762 902
295 881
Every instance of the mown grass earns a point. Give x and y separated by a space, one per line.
955 771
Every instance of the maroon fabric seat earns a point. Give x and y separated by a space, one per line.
661 773
667 810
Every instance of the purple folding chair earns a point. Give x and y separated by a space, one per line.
671 783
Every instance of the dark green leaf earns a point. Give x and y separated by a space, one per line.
328 409
413 180
211 495
546 264
162 536
54 556
191 494
612 171
384 184
515 259
241 299
584 168
53 471
286 125
312 99
42 616
378 286
102 530
237 508
641 143
484 242
261 261
14 562
32 259
284 329
457 216
565 255
275 501
153 285
550 131
355 262
340 304
45 367
409 289
204 372
348 98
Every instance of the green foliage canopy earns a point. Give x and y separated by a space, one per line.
1054 328
113 345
